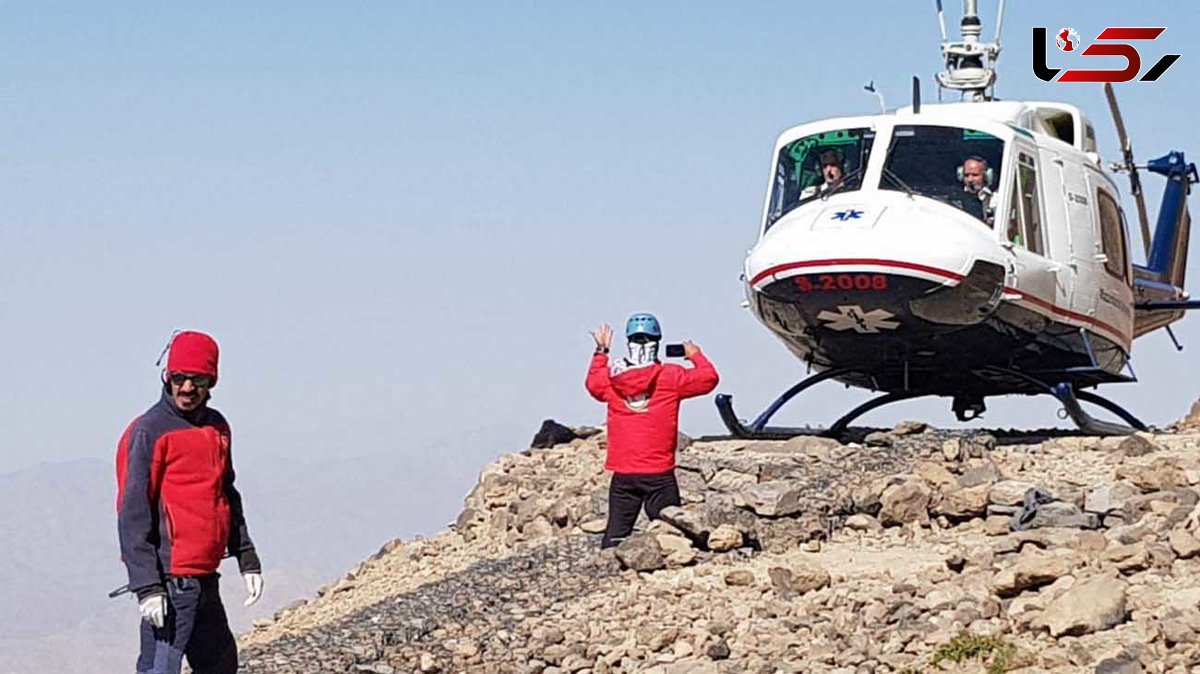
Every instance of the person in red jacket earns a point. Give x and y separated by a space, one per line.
642 395
178 514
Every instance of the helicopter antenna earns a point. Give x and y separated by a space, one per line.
999 22
869 87
970 64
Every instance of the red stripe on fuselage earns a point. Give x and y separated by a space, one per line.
946 274
849 262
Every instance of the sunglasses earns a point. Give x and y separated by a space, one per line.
198 380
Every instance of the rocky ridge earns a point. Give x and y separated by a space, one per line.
914 550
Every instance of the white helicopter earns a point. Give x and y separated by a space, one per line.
902 279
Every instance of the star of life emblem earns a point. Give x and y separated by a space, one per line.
852 317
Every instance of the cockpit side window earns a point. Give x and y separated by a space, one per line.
816 166
956 166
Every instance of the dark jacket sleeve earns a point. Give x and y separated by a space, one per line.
137 519
240 544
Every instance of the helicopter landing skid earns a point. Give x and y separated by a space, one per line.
1070 398
1064 392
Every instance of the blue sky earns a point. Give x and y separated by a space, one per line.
400 220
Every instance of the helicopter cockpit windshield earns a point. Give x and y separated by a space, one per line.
818 165
956 166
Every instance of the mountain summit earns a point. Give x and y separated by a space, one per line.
911 550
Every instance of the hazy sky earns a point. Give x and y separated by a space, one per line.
401 219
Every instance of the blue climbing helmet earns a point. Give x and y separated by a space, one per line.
643 324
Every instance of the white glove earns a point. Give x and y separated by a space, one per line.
254 587
154 609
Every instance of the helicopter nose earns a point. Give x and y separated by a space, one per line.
872 268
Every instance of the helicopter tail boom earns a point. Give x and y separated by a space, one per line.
1158 285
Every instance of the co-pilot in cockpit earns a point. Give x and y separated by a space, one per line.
952 165
976 178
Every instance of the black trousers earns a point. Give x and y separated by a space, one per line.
195 627
626 496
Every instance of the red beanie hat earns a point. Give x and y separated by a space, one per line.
194 353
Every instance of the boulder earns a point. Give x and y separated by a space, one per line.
878 439
935 474
909 428
772 499
1032 569
980 472
552 433
676 550
1128 558
1184 544
1138 444
724 538
641 553
1119 664
739 578
862 522
964 503
800 578
904 503
1160 475
1107 498
731 480
1009 492
1089 606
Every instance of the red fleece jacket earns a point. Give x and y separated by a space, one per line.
643 410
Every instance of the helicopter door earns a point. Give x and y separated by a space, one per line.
1078 256
1112 277
1025 233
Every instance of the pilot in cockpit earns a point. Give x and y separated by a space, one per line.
976 179
832 172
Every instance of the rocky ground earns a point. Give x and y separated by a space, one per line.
913 550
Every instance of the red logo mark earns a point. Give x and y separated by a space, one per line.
1068 40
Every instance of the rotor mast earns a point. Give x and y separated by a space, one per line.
970 63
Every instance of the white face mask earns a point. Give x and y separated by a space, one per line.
642 354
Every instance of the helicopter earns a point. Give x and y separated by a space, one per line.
963 250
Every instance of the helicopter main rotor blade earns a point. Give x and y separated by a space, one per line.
1135 182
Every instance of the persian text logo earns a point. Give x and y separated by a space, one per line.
1067 40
